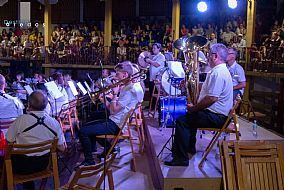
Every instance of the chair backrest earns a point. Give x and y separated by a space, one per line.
6 123
24 149
88 171
232 114
259 166
228 164
228 161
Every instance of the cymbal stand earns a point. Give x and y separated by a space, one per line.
168 117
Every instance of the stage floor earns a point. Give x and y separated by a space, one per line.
151 173
209 177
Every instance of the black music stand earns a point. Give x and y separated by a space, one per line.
174 81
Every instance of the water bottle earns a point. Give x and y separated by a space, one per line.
254 129
117 149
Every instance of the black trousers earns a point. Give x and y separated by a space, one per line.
186 129
25 165
89 132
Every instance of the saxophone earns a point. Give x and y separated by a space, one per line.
190 47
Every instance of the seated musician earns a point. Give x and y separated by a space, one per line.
10 107
212 108
67 77
18 85
237 73
118 107
61 102
104 80
34 127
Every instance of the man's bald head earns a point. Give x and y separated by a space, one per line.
37 100
2 82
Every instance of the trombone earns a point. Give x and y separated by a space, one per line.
137 77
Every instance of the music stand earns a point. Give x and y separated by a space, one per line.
174 81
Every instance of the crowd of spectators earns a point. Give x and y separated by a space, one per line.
70 42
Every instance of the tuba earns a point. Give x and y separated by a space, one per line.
190 47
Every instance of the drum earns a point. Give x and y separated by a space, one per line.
171 108
170 77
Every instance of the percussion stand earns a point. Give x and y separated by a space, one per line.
173 80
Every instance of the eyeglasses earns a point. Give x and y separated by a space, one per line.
210 53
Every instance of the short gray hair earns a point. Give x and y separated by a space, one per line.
38 100
125 66
235 51
221 50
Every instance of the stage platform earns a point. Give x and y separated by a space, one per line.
192 177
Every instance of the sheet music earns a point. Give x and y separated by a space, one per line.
88 87
53 89
82 89
28 89
73 88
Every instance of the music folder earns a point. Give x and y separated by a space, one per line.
87 86
73 88
28 89
53 90
82 89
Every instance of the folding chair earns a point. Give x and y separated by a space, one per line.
23 149
137 122
7 123
102 168
259 166
155 94
219 131
66 121
122 135
74 113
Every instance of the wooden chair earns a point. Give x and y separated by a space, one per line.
227 156
122 135
246 108
155 94
21 149
102 168
74 113
219 131
66 121
259 166
228 162
6 124
137 122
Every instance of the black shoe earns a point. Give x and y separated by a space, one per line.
176 163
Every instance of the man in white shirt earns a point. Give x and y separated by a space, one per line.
119 106
61 102
237 73
213 106
10 107
31 128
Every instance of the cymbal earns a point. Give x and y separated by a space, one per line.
141 59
